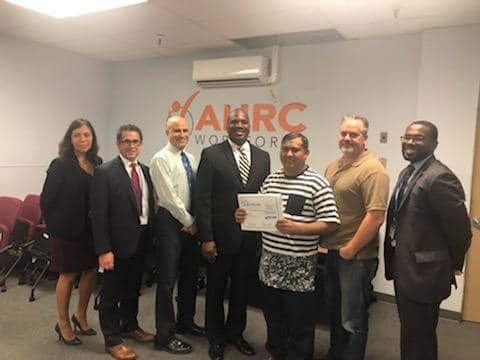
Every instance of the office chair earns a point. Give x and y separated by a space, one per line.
41 258
28 217
9 207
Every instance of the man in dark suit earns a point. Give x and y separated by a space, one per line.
427 236
122 204
226 169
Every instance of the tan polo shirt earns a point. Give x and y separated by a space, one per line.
358 187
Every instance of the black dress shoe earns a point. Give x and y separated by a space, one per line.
329 356
74 341
194 330
243 346
175 346
216 352
76 325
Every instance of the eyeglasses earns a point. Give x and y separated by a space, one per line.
128 142
413 138
352 135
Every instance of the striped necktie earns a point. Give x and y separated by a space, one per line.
135 179
243 166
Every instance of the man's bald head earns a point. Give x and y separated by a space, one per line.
178 131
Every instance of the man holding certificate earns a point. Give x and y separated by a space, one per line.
226 169
289 255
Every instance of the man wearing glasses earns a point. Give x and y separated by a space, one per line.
360 185
427 236
121 212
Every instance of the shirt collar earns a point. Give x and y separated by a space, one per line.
361 158
127 162
418 164
173 149
245 146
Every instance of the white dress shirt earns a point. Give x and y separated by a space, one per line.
171 184
143 185
237 153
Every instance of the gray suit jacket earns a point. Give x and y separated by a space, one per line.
432 234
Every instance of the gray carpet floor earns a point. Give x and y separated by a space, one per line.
26 331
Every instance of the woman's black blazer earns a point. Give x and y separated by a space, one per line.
65 198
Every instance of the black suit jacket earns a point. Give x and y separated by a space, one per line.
115 217
432 234
217 185
64 199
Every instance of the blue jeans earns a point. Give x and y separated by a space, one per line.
348 293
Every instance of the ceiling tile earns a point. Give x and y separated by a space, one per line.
206 10
403 26
95 45
306 19
172 36
197 48
14 16
206 25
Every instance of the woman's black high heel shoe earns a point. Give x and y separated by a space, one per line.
74 341
76 325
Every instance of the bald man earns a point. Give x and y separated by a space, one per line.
173 171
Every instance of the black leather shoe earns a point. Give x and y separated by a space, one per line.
175 346
76 325
329 356
243 346
194 330
74 341
216 352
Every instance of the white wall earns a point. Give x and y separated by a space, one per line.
376 78
449 85
42 90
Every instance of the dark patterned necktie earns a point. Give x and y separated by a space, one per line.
137 190
402 185
188 170
243 166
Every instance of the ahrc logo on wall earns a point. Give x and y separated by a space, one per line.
268 121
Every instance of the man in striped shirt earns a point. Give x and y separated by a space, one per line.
289 256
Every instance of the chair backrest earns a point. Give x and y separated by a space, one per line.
28 217
30 209
9 207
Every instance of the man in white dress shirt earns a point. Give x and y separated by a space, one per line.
173 172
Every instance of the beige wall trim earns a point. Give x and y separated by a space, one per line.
446 314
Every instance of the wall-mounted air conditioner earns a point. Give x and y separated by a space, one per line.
233 72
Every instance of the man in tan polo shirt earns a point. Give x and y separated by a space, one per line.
360 186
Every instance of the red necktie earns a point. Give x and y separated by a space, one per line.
136 187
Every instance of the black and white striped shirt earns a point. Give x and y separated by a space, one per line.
311 198
289 261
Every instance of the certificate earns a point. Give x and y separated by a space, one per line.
263 211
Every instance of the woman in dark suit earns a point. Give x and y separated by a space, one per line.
65 206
